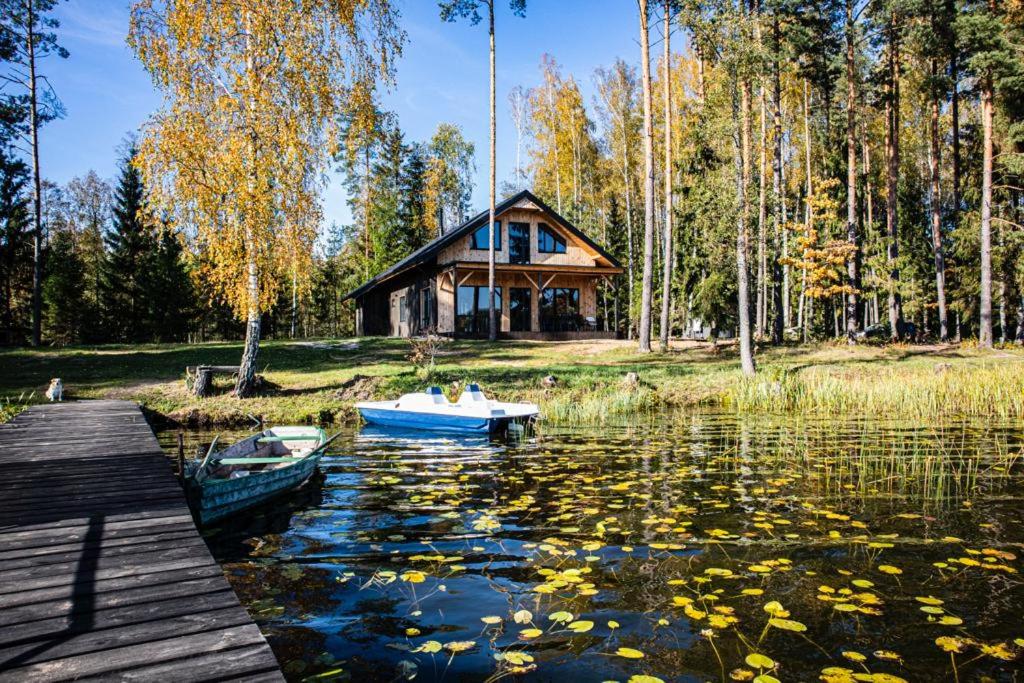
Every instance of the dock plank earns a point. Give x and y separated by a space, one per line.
102 572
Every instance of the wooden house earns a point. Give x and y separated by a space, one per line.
546 280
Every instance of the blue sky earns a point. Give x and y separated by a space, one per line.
442 76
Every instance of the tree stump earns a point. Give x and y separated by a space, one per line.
202 381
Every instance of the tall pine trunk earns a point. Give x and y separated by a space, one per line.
492 329
777 188
808 212
648 272
892 148
666 284
935 159
37 191
851 178
954 114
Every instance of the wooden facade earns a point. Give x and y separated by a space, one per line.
547 274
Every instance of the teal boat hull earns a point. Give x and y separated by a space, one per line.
215 499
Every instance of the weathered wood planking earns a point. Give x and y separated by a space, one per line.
103 575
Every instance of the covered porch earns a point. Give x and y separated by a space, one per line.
535 301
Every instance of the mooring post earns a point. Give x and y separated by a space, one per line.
181 456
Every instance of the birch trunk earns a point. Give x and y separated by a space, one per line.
646 293
742 181
935 160
761 301
245 385
666 274
985 323
851 178
630 329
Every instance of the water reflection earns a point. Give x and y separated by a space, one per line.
689 547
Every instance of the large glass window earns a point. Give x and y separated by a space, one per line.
519 307
471 310
481 237
548 242
560 309
518 242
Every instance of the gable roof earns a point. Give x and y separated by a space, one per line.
431 248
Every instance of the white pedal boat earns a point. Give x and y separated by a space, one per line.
473 413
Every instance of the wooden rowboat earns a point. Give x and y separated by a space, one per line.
253 470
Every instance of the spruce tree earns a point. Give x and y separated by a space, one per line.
169 296
64 304
412 190
131 246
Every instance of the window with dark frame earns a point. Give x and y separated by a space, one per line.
401 309
548 242
478 241
559 309
471 309
518 242
519 308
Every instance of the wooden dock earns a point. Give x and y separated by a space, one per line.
102 571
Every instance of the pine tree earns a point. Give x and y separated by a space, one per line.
991 40
15 248
31 24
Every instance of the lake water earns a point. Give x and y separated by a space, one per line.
689 547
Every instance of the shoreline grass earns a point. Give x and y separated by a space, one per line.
321 381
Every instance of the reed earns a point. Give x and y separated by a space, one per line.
989 389
598 405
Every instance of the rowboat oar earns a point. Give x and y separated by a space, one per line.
327 443
209 452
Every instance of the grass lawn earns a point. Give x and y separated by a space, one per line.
315 379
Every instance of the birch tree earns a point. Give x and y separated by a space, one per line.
252 95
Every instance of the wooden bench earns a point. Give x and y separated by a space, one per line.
199 378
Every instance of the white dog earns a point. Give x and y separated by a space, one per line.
56 390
